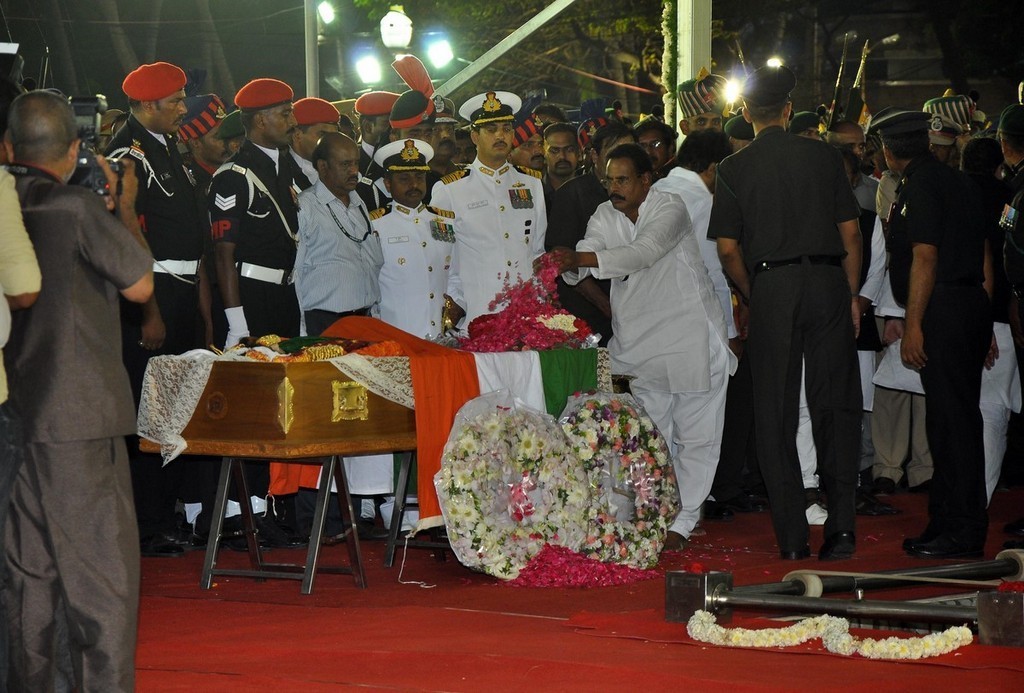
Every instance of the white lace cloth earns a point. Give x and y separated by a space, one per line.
173 386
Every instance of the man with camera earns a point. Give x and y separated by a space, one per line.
71 541
167 323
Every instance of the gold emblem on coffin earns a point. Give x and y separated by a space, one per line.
285 404
350 401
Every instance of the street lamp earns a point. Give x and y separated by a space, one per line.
440 53
396 29
369 70
326 12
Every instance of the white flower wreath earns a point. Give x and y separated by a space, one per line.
629 470
506 488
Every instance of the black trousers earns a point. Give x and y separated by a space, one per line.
738 441
802 312
957 333
156 487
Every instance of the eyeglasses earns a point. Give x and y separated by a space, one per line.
616 181
652 145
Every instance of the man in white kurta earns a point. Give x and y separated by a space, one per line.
500 217
669 327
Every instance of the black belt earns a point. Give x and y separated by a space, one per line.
834 260
364 312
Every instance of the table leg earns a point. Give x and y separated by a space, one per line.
319 519
349 517
398 512
220 505
248 519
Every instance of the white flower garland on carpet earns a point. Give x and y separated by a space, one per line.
835 636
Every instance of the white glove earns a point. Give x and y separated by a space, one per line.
237 326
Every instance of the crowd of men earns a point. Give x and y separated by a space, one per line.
820 270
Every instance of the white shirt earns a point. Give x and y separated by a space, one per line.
688 185
664 310
339 256
417 245
500 222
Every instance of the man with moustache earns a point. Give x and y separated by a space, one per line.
445 122
500 217
167 323
669 327
205 150
561 156
254 217
659 141
339 256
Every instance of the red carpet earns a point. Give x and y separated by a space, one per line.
471 633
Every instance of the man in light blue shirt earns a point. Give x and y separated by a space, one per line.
339 257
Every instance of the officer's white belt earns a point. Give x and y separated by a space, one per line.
186 268
264 274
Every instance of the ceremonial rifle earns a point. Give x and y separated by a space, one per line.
838 93
856 106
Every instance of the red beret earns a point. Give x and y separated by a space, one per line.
263 93
376 103
153 82
311 110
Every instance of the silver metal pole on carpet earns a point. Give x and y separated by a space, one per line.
859 608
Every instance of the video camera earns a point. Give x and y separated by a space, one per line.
89 111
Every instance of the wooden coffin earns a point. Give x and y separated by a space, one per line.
309 409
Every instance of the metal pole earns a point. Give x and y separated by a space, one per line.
983 570
503 46
312 53
864 608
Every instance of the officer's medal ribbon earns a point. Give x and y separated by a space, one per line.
442 231
521 198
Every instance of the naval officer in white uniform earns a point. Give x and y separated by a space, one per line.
500 217
418 242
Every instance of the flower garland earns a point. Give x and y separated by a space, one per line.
670 58
529 317
1011 586
506 489
835 636
630 474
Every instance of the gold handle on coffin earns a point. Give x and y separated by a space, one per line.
350 401
285 405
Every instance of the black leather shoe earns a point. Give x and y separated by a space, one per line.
871 506
368 531
798 555
746 503
713 510
674 541
883 486
838 546
946 546
271 535
929 533
158 547
1015 527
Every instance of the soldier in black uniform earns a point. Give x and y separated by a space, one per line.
1011 140
784 212
937 255
167 323
254 226
254 218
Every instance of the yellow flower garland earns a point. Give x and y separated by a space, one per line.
835 636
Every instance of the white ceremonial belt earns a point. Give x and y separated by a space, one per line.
187 268
265 274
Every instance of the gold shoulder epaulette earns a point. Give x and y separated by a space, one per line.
441 212
529 171
379 212
457 175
